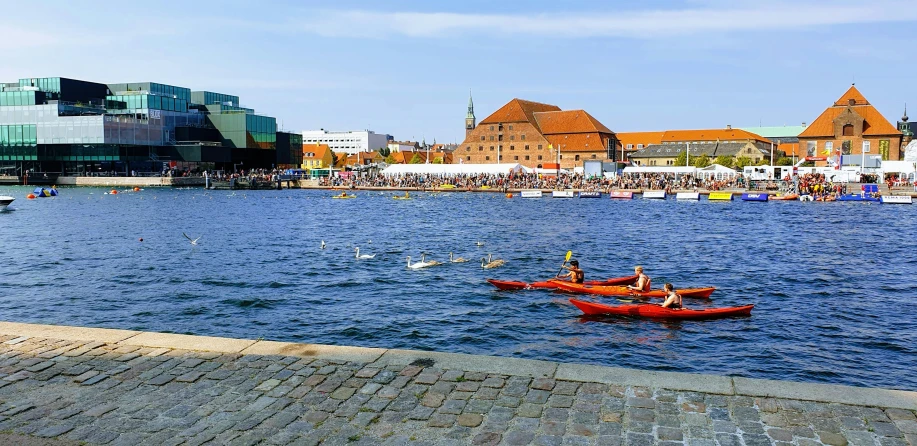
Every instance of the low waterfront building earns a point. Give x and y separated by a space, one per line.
532 134
71 127
730 142
403 146
634 141
851 126
349 142
316 156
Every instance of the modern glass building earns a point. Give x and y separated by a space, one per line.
61 126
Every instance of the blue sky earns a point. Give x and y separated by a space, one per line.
405 68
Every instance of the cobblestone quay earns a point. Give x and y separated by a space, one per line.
101 386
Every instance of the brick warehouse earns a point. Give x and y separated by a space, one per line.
531 133
850 127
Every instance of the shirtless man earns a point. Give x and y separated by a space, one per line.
643 281
575 275
672 299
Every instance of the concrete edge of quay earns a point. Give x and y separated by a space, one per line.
704 383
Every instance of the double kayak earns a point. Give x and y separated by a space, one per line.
510 285
657 312
618 290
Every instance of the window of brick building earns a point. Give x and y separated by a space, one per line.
499 137
576 158
491 137
510 126
491 128
526 147
499 127
480 148
487 158
539 157
539 146
526 157
468 158
512 137
522 136
848 130
500 158
491 148
482 137
593 156
512 147
516 157
468 149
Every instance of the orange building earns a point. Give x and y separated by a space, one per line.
316 156
532 134
851 126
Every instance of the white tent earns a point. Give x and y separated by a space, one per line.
453 169
678 170
715 171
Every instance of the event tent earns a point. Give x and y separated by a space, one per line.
453 169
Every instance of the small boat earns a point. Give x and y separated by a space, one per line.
785 197
590 194
344 196
562 194
617 290
510 285
406 196
806 197
656 312
5 200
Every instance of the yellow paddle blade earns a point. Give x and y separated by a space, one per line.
567 257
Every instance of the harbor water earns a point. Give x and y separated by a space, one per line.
832 283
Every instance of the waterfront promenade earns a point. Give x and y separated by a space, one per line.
105 386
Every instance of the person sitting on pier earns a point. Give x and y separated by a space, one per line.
643 281
672 299
575 275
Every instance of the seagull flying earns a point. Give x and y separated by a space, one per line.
192 240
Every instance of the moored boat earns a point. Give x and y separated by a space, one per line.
657 312
5 200
618 290
508 285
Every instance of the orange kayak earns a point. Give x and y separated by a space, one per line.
624 291
785 197
657 312
509 285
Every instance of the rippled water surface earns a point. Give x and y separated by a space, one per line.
833 283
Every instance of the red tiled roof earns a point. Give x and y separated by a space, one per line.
569 121
318 149
711 135
645 138
823 126
852 93
518 110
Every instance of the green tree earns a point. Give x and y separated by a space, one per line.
784 161
390 159
762 162
681 159
416 159
334 159
724 160
701 161
438 160
384 152
741 162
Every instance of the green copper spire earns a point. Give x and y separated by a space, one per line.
470 114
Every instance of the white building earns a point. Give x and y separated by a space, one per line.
402 146
347 142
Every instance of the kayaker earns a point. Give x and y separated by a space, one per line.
643 281
672 299
575 275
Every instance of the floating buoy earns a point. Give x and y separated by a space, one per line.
141 239
113 192
30 196
136 189
509 195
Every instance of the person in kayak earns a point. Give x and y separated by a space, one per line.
643 281
672 299
575 275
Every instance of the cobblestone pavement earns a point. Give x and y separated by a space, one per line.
97 393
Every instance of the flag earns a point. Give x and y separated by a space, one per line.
827 151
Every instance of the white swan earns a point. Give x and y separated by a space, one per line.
420 264
479 243
364 256
491 263
457 260
423 259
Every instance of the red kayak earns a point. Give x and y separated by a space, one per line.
657 312
617 290
509 285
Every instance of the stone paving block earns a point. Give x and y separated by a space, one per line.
420 413
529 410
442 420
647 403
190 377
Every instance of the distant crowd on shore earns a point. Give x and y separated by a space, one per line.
652 181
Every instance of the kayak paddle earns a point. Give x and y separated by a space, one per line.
566 259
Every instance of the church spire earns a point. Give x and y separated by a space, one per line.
470 121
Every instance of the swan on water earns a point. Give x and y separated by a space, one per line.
457 259
479 243
491 263
364 256
420 264
323 244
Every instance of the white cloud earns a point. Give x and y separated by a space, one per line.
642 24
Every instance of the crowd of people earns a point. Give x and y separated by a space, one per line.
651 181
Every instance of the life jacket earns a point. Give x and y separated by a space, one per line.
646 286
